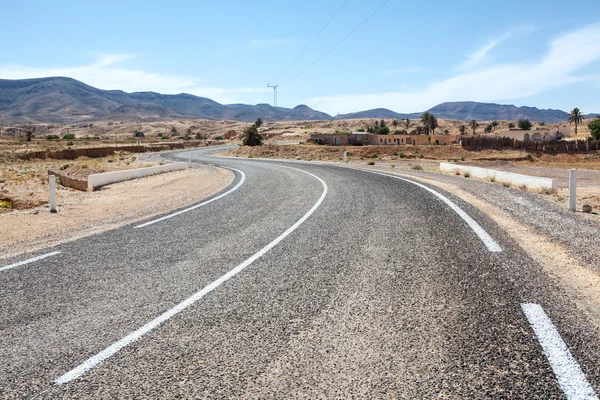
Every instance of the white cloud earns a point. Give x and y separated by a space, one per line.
558 67
479 55
103 73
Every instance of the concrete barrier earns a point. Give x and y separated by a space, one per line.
98 180
530 182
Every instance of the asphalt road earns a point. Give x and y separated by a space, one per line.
307 281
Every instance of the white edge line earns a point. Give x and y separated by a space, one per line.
135 335
566 369
485 237
236 187
30 260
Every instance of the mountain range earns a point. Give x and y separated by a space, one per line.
66 100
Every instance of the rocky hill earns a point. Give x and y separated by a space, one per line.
66 100
469 110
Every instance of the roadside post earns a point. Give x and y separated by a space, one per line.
52 185
345 158
189 162
572 189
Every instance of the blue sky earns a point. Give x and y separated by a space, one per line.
408 57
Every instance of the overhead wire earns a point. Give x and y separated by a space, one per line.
337 44
311 42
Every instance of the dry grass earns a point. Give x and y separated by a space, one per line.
24 184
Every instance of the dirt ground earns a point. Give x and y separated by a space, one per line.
24 183
85 213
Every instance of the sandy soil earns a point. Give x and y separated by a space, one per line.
82 214
24 183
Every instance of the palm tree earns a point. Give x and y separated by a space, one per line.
425 121
395 124
419 130
430 122
462 129
474 125
494 125
576 118
407 123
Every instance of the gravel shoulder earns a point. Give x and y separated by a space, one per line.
109 208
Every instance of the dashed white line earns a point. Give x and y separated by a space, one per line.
567 371
28 261
236 187
133 336
485 237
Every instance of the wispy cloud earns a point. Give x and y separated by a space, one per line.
104 60
476 57
105 73
567 54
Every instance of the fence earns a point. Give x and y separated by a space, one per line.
554 146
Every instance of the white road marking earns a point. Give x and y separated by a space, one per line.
34 259
236 187
133 336
568 373
485 237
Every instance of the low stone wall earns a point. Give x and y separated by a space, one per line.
530 182
97 152
66 180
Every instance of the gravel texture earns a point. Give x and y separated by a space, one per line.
383 292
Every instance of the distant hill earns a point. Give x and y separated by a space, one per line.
378 113
66 100
469 110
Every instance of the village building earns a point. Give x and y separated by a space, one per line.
364 138
538 134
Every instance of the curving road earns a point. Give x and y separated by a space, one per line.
300 280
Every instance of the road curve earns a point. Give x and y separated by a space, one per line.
382 290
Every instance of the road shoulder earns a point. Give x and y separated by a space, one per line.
114 206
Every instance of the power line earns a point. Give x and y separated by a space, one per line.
337 44
311 42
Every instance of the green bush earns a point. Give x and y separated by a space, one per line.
138 134
371 163
402 155
525 124
252 137
96 138
219 138
52 137
68 136
417 168
595 129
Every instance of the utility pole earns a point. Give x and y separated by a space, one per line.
274 93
